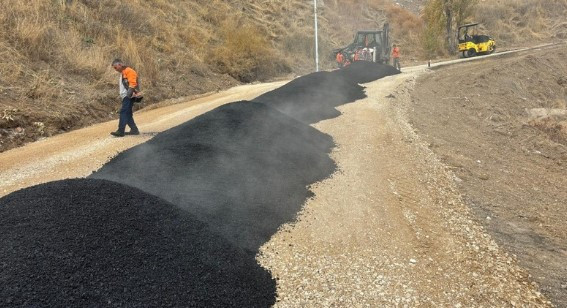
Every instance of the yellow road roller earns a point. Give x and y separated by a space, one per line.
472 44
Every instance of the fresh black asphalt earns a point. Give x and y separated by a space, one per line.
96 243
313 98
200 200
242 168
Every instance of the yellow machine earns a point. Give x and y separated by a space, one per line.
472 44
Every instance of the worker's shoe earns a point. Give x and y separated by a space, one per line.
117 134
133 132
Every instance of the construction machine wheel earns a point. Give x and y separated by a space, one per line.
471 53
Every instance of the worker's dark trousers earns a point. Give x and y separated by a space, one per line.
126 115
397 64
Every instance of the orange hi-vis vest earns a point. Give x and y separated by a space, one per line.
340 57
130 78
396 52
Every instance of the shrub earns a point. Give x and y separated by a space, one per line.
244 53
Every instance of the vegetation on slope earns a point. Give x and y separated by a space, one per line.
510 22
55 72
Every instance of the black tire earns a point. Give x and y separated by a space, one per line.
471 53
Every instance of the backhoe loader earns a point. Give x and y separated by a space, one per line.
368 45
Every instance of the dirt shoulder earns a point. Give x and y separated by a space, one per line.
390 227
500 124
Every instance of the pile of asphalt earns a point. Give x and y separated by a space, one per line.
199 201
364 72
87 242
242 168
313 98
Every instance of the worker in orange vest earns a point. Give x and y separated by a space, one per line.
396 57
340 59
129 86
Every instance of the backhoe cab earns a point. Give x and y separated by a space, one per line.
471 43
368 45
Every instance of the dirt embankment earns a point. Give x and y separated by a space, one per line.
501 125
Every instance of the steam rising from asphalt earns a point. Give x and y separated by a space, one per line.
243 168
225 181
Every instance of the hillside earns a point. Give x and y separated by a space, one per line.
502 130
55 75
390 227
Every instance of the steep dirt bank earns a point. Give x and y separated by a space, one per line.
501 126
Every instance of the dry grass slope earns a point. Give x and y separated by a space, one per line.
513 23
56 68
55 74
523 23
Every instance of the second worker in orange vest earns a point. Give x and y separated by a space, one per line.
396 57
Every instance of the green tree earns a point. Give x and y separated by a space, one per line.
434 18
443 16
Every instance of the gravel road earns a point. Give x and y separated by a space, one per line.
389 227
